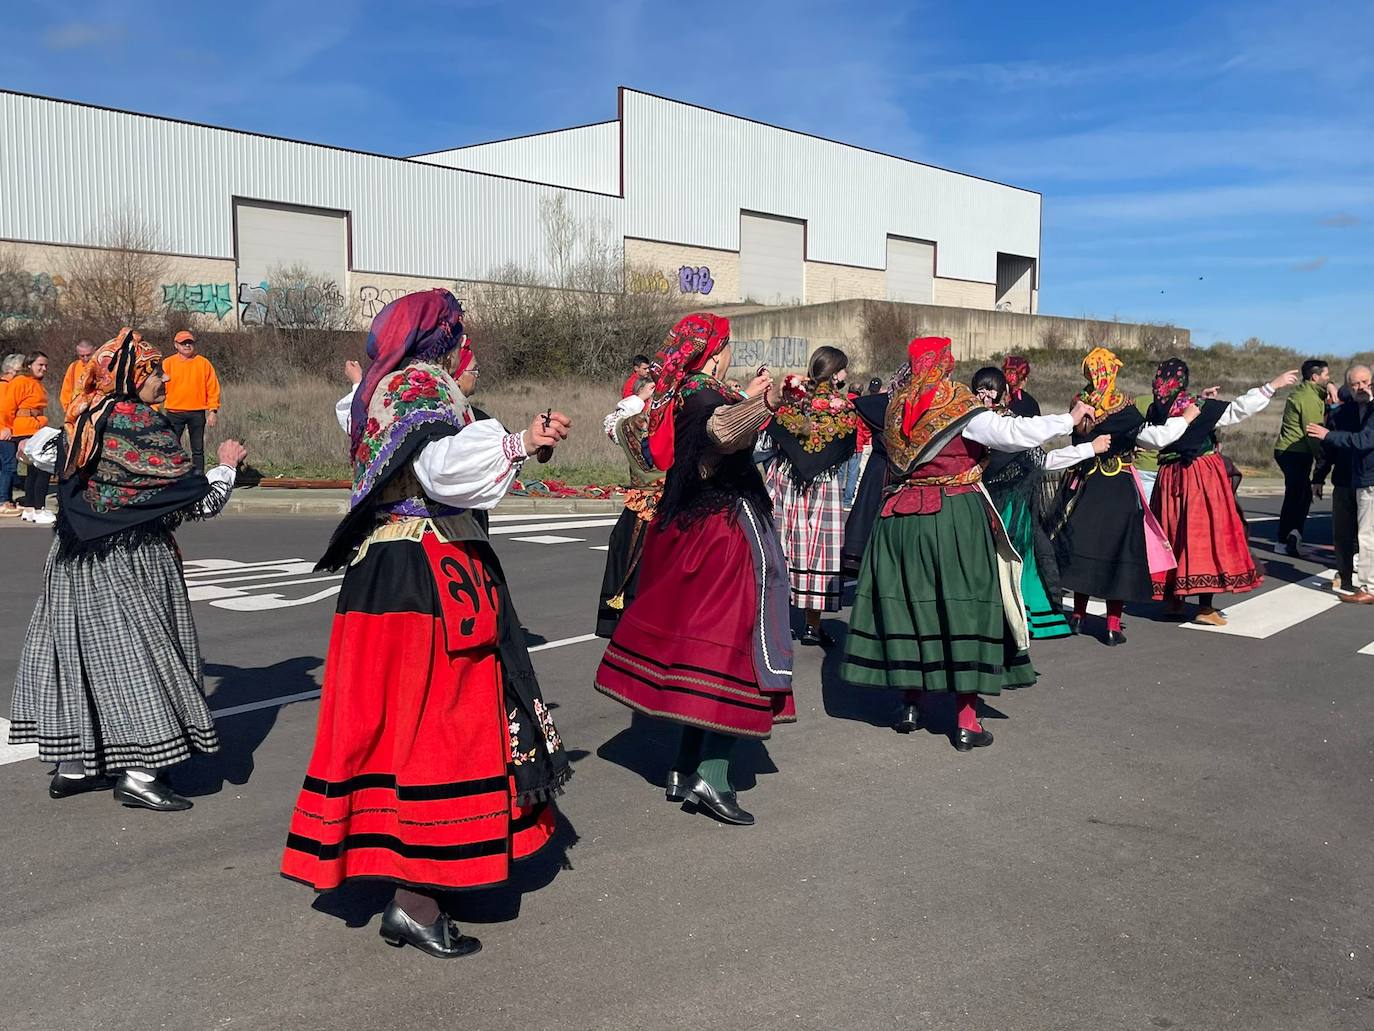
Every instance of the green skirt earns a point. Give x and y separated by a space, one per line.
928 607
1044 616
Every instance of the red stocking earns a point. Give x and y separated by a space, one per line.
968 712
1114 610
1080 604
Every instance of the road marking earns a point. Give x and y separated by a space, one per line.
1367 649
575 524
266 703
1096 607
600 547
508 517
563 643
13 753
1275 611
549 538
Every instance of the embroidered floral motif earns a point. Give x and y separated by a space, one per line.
816 417
517 757
551 739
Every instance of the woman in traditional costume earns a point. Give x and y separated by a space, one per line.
1107 540
705 643
110 679
871 409
1017 484
813 435
938 605
436 761
1193 499
628 427
1016 368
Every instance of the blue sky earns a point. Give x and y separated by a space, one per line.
1210 164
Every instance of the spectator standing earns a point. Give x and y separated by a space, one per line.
1296 452
192 395
9 447
77 369
640 370
23 412
1348 453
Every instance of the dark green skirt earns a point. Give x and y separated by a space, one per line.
928 608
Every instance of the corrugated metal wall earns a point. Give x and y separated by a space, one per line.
1014 277
585 158
64 167
851 199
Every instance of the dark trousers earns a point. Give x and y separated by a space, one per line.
9 464
36 487
195 423
1344 528
1297 491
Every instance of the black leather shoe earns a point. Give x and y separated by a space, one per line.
675 786
1115 637
968 740
1075 625
148 794
65 787
812 637
441 939
721 803
909 721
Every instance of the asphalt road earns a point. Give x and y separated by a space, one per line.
1173 834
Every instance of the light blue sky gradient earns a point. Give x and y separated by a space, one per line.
1208 164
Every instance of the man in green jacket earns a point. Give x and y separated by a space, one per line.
1295 452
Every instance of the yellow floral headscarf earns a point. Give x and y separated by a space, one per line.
1100 369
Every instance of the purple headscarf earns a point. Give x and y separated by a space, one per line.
425 325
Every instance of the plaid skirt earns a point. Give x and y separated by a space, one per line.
110 672
811 523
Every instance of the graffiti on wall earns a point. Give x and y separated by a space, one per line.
775 352
29 295
695 280
267 305
374 298
200 298
647 283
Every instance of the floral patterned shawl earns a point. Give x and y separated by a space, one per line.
926 405
1100 369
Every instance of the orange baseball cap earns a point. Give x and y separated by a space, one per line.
184 336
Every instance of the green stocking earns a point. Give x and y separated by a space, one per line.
715 760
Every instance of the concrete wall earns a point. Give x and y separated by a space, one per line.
960 293
826 282
784 338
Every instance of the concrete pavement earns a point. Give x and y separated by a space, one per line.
1173 834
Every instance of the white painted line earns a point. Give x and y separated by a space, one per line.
563 643
507 517
1274 611
285 569
549 538
1096 607
13 753
266 703
600 547
210 566
537 527
1367 649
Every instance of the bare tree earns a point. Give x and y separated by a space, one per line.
887 329
117 283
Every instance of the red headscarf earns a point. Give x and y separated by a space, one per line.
1017 370
931 360
694 341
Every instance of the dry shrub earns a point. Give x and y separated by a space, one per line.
888 329
117 284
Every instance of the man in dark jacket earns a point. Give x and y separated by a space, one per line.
1348 452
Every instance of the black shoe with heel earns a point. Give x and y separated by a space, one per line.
65 787
1075 624
968 740
441 939
721 804
909 721
148 794
1115 637
675 786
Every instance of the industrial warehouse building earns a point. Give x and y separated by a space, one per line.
706 203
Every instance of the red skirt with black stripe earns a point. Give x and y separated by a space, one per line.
685 650
1197 510
410 777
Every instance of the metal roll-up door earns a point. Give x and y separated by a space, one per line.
269 236
910 270
772 255
1015 276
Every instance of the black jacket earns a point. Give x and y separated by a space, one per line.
1348 450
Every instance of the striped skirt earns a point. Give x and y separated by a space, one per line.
110 671
811 523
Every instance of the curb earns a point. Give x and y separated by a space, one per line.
317 506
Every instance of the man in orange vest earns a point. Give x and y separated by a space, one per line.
84 350
192 394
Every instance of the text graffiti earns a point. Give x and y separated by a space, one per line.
373 299
648 283
265 305
29 295
200 298
776 353
695 280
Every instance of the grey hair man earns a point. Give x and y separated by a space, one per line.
1348 454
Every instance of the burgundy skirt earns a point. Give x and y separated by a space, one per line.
1198 512
701 643
410 777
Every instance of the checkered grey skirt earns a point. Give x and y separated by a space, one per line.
110 672
811 524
